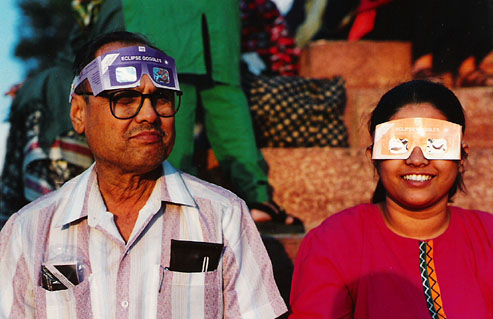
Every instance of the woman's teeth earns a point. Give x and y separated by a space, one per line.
417 178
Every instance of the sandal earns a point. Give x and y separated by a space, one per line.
474 78
277 223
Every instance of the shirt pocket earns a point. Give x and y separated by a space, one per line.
63 303
188 292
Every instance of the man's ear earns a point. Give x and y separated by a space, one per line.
77 113
369 152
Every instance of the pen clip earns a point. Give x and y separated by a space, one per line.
163 271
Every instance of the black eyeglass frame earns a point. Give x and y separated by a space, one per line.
143 96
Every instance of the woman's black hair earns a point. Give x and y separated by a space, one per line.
417 92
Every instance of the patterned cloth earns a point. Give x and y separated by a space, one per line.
132 280
31 171
298 112
354 266
264 31
86 11
430 281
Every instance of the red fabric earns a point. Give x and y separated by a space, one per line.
264 31
362 25
371 4
14 89
353 266
365 18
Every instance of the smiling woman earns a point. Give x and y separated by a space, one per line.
410 253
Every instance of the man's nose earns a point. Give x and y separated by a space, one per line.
147 111
417 157
146 84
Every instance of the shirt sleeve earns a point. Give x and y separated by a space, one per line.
249 287
318 289
16 295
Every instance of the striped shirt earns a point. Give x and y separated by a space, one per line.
132 280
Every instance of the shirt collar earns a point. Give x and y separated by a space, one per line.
72 209
173 190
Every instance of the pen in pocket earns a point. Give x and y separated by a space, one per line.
205 264
163 271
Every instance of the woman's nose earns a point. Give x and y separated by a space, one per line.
417 157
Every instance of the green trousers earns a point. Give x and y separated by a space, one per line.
228 125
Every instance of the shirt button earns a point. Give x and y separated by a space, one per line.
124 304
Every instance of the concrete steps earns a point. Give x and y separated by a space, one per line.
361 64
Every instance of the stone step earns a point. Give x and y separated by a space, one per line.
477 102
361 63
314 183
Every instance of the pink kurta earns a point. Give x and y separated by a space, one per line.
353 265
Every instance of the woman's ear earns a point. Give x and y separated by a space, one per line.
77 113
464 150
464 154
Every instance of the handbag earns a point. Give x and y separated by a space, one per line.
292 111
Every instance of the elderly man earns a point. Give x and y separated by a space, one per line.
132 237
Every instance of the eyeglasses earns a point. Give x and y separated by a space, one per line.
126 104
